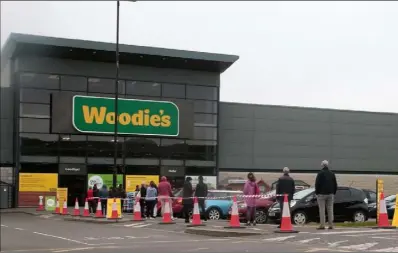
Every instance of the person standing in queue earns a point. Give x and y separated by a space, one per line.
164 192
201 193
142 199
104 194
187 202
96 196
122 196
251 188
151 195
325 190
284 186
90 199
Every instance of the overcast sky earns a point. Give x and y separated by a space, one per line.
341 55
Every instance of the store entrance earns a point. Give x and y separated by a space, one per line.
76 188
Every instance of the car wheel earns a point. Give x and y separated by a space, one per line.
214 214
359 216
261 216
300 218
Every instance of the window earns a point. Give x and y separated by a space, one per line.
202 150
173 149
102 85
205 120
205 133
342 195
39 144
36 96
43 81
173 90
72 145
205 106
103 146
75 83
141 147
202 92
138 88
372 197
35 110
28 125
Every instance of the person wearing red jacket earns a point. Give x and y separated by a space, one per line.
90 195
164 192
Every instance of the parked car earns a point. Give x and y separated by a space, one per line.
390 205
262 206
299 184
371 195
350 204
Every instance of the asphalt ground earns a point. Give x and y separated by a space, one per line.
27 233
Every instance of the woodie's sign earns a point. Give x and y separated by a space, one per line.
143 117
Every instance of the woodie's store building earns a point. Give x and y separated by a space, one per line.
58 115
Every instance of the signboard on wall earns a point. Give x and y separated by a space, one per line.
133 180
101 179
211 181
72 169
38 182
62 195
143 117
170 171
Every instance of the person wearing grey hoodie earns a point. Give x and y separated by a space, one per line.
104 194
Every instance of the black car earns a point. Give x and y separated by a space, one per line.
371 195
350 204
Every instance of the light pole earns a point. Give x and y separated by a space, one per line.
116 96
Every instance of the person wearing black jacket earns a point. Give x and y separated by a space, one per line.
201 193
142 199
187 202
284 186
325 189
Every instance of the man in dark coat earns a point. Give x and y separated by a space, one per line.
201 193
187 202
285 186
325 189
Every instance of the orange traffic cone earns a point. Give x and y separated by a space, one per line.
65 208
41 206
57 211
166 219
86 211
76 211
196 221
383 216
115 215
286 222
137 210
98 213
234 221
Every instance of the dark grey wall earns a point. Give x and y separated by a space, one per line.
6 116
260 137
98 69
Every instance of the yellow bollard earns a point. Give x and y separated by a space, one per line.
395 218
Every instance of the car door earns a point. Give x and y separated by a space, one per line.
342 201
311 207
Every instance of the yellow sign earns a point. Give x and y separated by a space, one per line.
62 195
133 180
38 182
380 189
395 218
109 208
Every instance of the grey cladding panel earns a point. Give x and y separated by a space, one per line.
239 136
235 148
292 163
289 151
236 162
365 153
292 138
363 129
6 156
6 103
236 123
364 118
365 165
364 141
291 126
231 110
98 69
288 113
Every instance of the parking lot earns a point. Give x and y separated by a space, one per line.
22 232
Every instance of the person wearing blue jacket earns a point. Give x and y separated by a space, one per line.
151 196
104 194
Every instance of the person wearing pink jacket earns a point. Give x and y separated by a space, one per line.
251 188
164 192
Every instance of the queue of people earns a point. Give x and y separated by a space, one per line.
93 193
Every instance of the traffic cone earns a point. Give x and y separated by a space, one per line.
114 215
137 210
98 213
196 221
57 211
286 222
166 219
76 211
41 206
395 218
383 216
86 211
65 208
234 221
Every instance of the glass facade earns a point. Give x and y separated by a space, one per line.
147 155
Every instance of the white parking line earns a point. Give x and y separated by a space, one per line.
394 249
279 239
19 229
359 247
58 237
386 238
335 244
75 249
352 232
308 240
4 226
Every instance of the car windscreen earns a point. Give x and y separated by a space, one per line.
303 193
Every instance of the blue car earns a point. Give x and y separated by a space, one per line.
218 208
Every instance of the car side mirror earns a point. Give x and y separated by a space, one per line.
310 199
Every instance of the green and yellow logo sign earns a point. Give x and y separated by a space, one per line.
143 117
